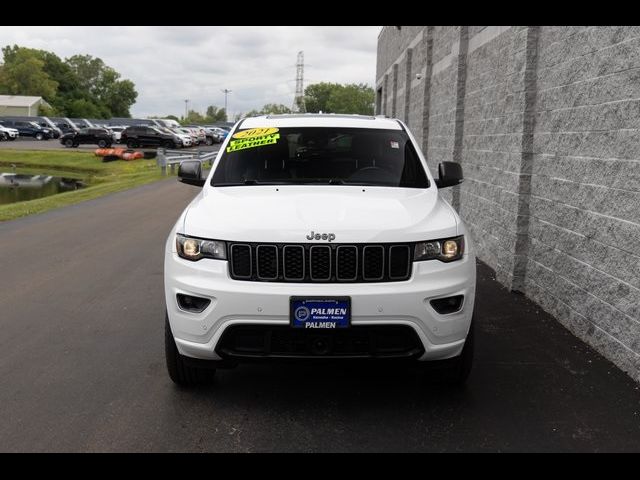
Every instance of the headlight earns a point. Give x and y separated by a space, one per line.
196 248
446 250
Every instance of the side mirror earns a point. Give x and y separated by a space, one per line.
450 174
190 172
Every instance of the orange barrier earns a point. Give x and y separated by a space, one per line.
106 152
110 154
131 156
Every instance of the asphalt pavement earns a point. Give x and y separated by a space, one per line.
82 362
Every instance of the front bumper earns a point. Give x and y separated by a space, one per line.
235 302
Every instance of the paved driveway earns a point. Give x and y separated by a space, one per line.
82 365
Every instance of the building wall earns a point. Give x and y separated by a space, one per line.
491 146
14 111
546 124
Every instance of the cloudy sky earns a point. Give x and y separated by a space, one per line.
171 64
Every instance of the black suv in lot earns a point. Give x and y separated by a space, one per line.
88 136
28 129
143 136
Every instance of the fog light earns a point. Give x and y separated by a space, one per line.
192 304
448 304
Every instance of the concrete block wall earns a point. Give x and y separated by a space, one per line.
546 124
492 142
584 253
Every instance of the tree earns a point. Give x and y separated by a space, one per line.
45 111
119 97
57 71
337 98
269 109
317 95
194 117
66 78
23 74
352 98
275 109
216 114
112 96
81 83
88 71
81 108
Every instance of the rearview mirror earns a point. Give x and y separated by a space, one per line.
190 172
450 174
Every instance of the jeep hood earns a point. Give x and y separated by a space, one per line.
289 213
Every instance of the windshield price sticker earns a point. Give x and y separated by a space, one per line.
255 137
256 132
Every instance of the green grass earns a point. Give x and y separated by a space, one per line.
101 178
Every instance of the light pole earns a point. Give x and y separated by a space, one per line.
186 109
226 92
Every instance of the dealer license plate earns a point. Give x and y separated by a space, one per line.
320 312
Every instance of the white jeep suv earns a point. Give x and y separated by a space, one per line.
318 237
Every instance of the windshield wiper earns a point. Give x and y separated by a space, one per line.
255 182
235 184
330 181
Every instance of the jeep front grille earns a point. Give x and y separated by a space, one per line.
319 263
250 342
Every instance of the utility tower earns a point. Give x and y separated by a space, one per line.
298 101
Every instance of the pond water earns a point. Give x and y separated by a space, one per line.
19 187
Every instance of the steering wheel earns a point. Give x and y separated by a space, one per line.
369 173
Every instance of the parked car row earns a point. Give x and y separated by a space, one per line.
140 136
28 129
104 133
167 137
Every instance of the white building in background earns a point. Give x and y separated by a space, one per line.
18 105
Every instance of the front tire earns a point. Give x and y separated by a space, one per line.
102 143
209 141
39 136
68 143
132 144
179 371
455 371
461 366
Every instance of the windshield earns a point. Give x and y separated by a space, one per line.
48 122
311 155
